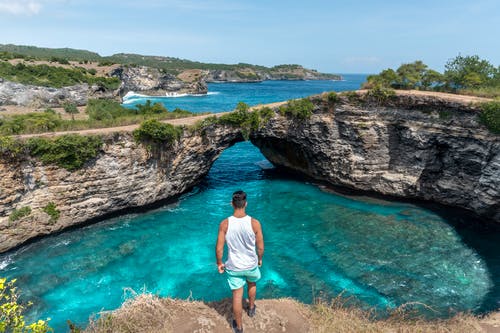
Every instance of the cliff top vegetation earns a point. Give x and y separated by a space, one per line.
168 64
469 75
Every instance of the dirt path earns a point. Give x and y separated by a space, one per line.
188 121
192 120
128 128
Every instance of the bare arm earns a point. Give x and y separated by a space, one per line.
259 239
219 246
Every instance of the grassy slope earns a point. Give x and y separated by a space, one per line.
169 64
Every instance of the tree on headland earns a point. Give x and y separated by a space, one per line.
469 72
71 109
464 74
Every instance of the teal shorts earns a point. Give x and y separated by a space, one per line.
237 279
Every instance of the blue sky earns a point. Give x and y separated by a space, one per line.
338 36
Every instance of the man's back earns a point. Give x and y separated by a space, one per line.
240 240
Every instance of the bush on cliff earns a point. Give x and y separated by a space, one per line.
51 210
19 214
380 95
298 108
70 151
490 116
238 117
10 148
153 131
11 312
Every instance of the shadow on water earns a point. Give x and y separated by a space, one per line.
483 238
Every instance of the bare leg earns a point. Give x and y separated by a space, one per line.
238 306
252 292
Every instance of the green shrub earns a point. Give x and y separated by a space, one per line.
52 211
53 76
332 98
19 213
380 94
182 113
61 61
490 116
153 131
70 108
237 117
10 147
36 122
298 108
50 111
101 109
204 123
92 71
149 108
266 113
11 312
70 151
353 97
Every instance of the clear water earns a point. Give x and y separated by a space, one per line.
225 96
381 253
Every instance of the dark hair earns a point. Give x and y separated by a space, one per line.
239 199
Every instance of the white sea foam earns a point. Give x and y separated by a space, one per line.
132 97
5 262
265 165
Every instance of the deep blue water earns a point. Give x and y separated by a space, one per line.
318 244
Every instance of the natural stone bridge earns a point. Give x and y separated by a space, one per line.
420 146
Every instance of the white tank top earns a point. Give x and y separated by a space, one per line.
240 240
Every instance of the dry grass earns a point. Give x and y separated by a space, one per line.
144 313
148 313
337 317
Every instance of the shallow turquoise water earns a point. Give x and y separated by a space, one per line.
318 244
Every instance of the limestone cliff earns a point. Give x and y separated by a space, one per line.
257 74
154 82
413 146
12 93
123 176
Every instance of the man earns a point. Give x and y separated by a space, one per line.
242 234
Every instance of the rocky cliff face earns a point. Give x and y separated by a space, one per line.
283 72
421 147
125 175
152 81
12 93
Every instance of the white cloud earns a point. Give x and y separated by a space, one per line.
20 7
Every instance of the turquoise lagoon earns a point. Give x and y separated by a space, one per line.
318 243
